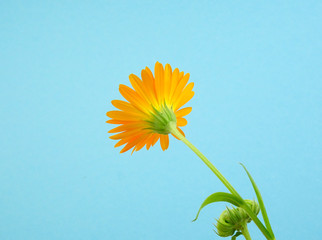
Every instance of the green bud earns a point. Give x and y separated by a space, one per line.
253 206
233 219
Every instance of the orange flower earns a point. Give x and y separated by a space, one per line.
152 108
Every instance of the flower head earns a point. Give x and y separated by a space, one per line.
152 108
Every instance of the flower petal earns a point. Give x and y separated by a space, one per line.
167 82
164 141
183 112
181 122
125 116
133 97
159 81
131 143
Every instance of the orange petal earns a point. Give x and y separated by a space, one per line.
147 80
183 112
141 144
184 100
113 121
159 81
140 88
155 139
181 122
181 97
183 82
124 106
146 87
148 71
179 129
167 81
149 141
175 136
122 141
129 126
164 141
125 134
133 97
125 116
118 129
174 82
132 143
152 85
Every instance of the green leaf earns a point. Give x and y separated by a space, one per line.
219 197
236 235
260 202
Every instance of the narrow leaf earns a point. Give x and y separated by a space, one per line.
260 202
219 197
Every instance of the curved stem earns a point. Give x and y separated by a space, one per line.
173 129
245 232
175 132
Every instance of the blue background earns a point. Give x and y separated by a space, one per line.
257 70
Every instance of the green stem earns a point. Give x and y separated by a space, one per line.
175 132
173 129
245 232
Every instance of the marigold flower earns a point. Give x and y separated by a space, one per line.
152 108
151 111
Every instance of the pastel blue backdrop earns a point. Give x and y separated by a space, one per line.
257 71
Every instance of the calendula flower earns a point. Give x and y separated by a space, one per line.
152 108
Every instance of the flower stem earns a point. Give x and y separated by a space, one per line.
245 232
210 165
173 129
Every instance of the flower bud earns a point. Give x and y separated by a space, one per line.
233 219
253 206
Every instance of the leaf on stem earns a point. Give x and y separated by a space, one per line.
260 202
219 197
